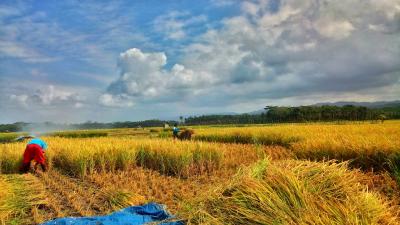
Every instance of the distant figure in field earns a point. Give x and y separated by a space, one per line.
175 131
382 118
34 151
184 135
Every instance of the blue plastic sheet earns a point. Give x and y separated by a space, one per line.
151 212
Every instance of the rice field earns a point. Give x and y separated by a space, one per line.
276 174
366 145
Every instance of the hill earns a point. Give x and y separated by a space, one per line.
373 105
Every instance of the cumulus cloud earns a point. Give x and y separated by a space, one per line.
273 50
305 46
141 73
143 76
48 96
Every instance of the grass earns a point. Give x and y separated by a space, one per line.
291 192
394 166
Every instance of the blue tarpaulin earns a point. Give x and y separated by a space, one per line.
151 212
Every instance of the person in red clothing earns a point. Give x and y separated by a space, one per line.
34 151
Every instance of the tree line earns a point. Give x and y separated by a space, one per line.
274 114
49 126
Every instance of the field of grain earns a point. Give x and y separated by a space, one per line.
276 174
366 145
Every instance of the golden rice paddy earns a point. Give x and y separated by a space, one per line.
279 174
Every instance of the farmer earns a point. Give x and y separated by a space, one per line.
34 151
175 131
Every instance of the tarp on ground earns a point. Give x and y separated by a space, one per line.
151 212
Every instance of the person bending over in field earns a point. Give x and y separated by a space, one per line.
184 135
175 131
34 151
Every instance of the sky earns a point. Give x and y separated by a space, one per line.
75 61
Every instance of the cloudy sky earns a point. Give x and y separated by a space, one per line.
68 61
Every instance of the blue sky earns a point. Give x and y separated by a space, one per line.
68 61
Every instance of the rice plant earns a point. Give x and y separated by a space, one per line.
367 146
7 137
291 192
80 157
19 195
79 134
234 135
190 159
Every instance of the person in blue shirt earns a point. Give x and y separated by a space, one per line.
175 131
34 151
39 142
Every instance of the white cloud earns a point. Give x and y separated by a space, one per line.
143 76
265 47
272 51
174 25
141 73
223 3
115 100
16 50
13 50
6 11
78 105
20 33
335 30
250 8
301 49
34 36
20 99
48 96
